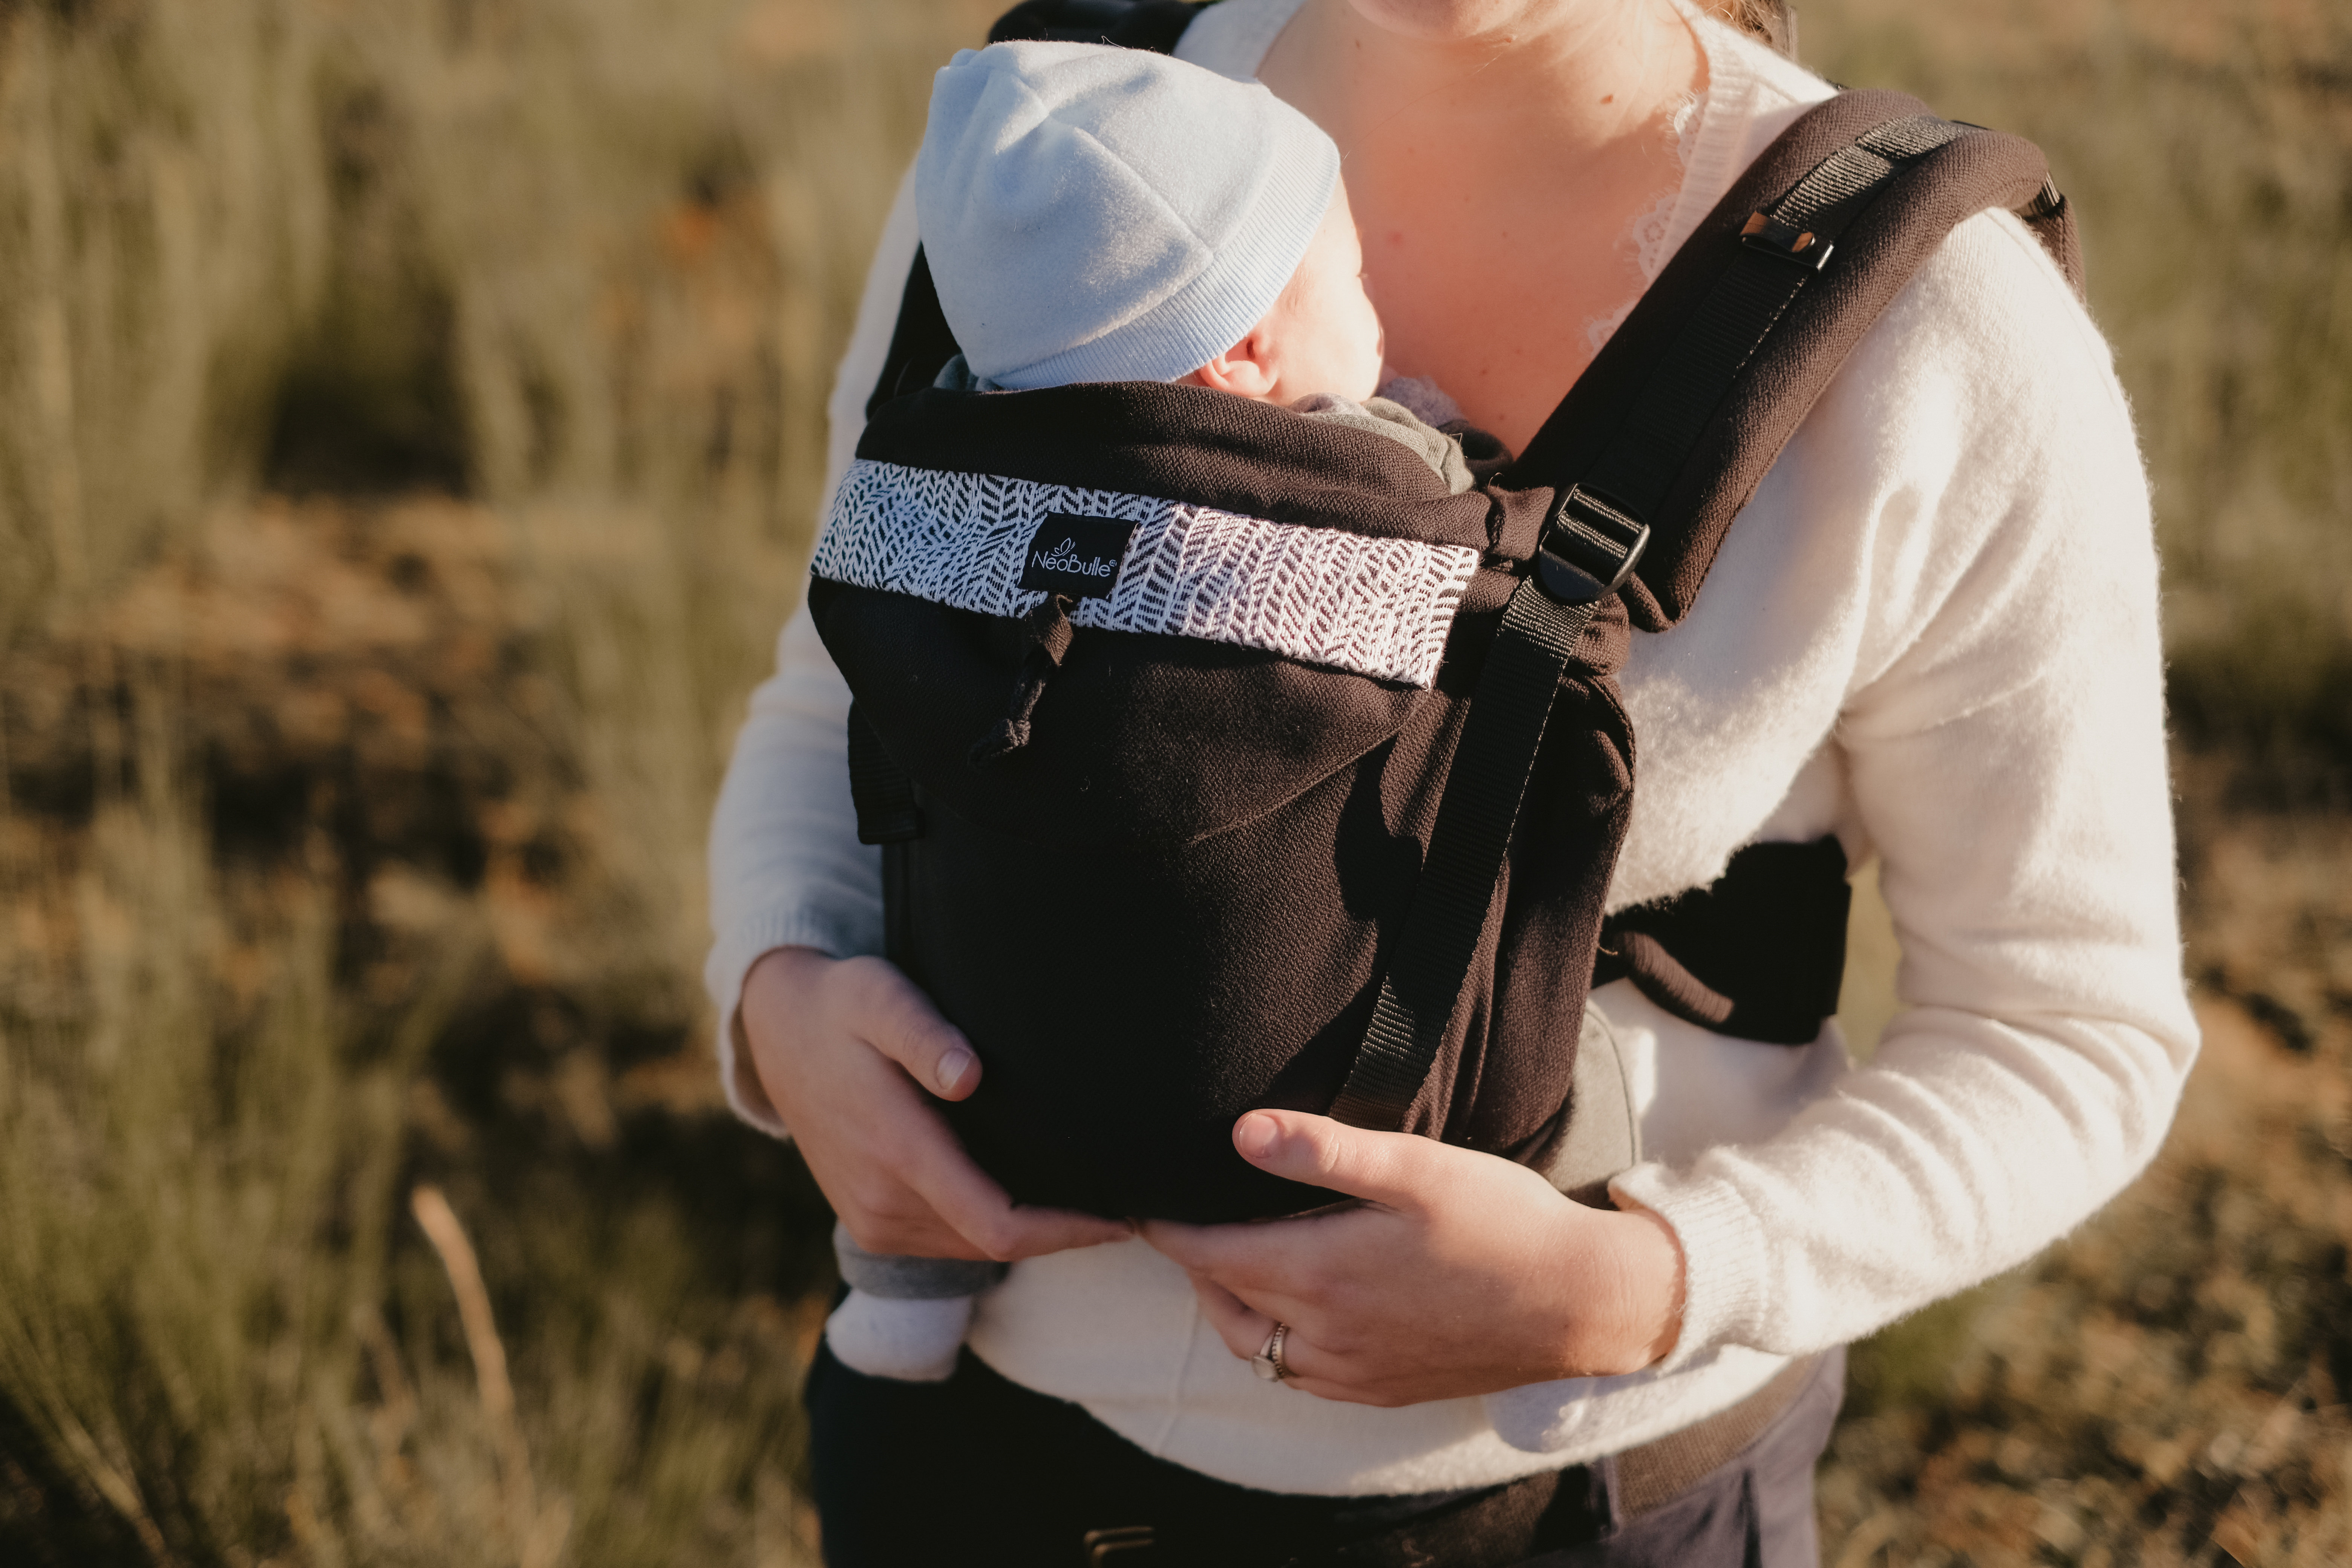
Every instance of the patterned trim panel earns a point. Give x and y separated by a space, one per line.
1380 607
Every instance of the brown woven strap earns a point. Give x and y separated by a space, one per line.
1655 1474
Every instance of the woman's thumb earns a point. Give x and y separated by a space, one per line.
1380 1167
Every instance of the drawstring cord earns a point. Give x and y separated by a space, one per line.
1046 637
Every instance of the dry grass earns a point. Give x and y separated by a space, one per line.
332 923
413 417
2167 1387
349 845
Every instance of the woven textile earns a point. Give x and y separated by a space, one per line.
1380 607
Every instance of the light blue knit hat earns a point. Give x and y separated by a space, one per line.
1100 214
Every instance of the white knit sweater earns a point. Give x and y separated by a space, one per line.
1932 633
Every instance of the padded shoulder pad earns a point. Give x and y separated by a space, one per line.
1684 410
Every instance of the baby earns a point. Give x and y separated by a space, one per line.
1093 214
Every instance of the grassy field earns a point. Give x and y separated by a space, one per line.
413 430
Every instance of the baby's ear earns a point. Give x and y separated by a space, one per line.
1244 369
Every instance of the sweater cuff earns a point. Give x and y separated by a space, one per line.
732 958
1724 1274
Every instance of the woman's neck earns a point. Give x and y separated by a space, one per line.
1497 171
1565 77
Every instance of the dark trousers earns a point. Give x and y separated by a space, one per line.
979 1470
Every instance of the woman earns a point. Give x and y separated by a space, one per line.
1932 633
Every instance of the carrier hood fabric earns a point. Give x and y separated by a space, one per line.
1097 213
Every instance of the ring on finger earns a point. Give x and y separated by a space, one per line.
1268 1363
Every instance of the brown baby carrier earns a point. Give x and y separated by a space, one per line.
1220 759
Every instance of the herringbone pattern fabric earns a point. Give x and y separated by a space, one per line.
1380 607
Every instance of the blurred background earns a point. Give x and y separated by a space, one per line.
410 431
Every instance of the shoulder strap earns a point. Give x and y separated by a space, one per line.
1475 819
1659 444
1677 419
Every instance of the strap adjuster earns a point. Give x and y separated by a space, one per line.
1589 548
1800 247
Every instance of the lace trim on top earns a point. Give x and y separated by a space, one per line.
1651 234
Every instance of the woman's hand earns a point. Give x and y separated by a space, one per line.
841 1045
1460 1273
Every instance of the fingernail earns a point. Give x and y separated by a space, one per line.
1256 1136
952 1069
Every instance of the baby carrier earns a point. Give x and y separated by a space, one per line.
1222 758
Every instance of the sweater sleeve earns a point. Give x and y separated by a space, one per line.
786 868
2004 732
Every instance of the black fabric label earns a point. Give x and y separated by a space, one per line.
1079 556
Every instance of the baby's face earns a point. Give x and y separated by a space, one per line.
1323 334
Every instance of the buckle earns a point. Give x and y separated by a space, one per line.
1102 1545
1798 247
2047 203
1589 548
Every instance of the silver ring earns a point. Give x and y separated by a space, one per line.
1268 1363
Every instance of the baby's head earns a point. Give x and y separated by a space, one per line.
1097 213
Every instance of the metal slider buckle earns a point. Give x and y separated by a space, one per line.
1799 247
1589 548
2047 204
1102 1545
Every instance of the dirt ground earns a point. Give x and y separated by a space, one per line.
2173 1383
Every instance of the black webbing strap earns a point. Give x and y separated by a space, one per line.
1475 818
883 792
1783 248
1597 531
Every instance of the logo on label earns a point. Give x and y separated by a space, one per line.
1075 555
